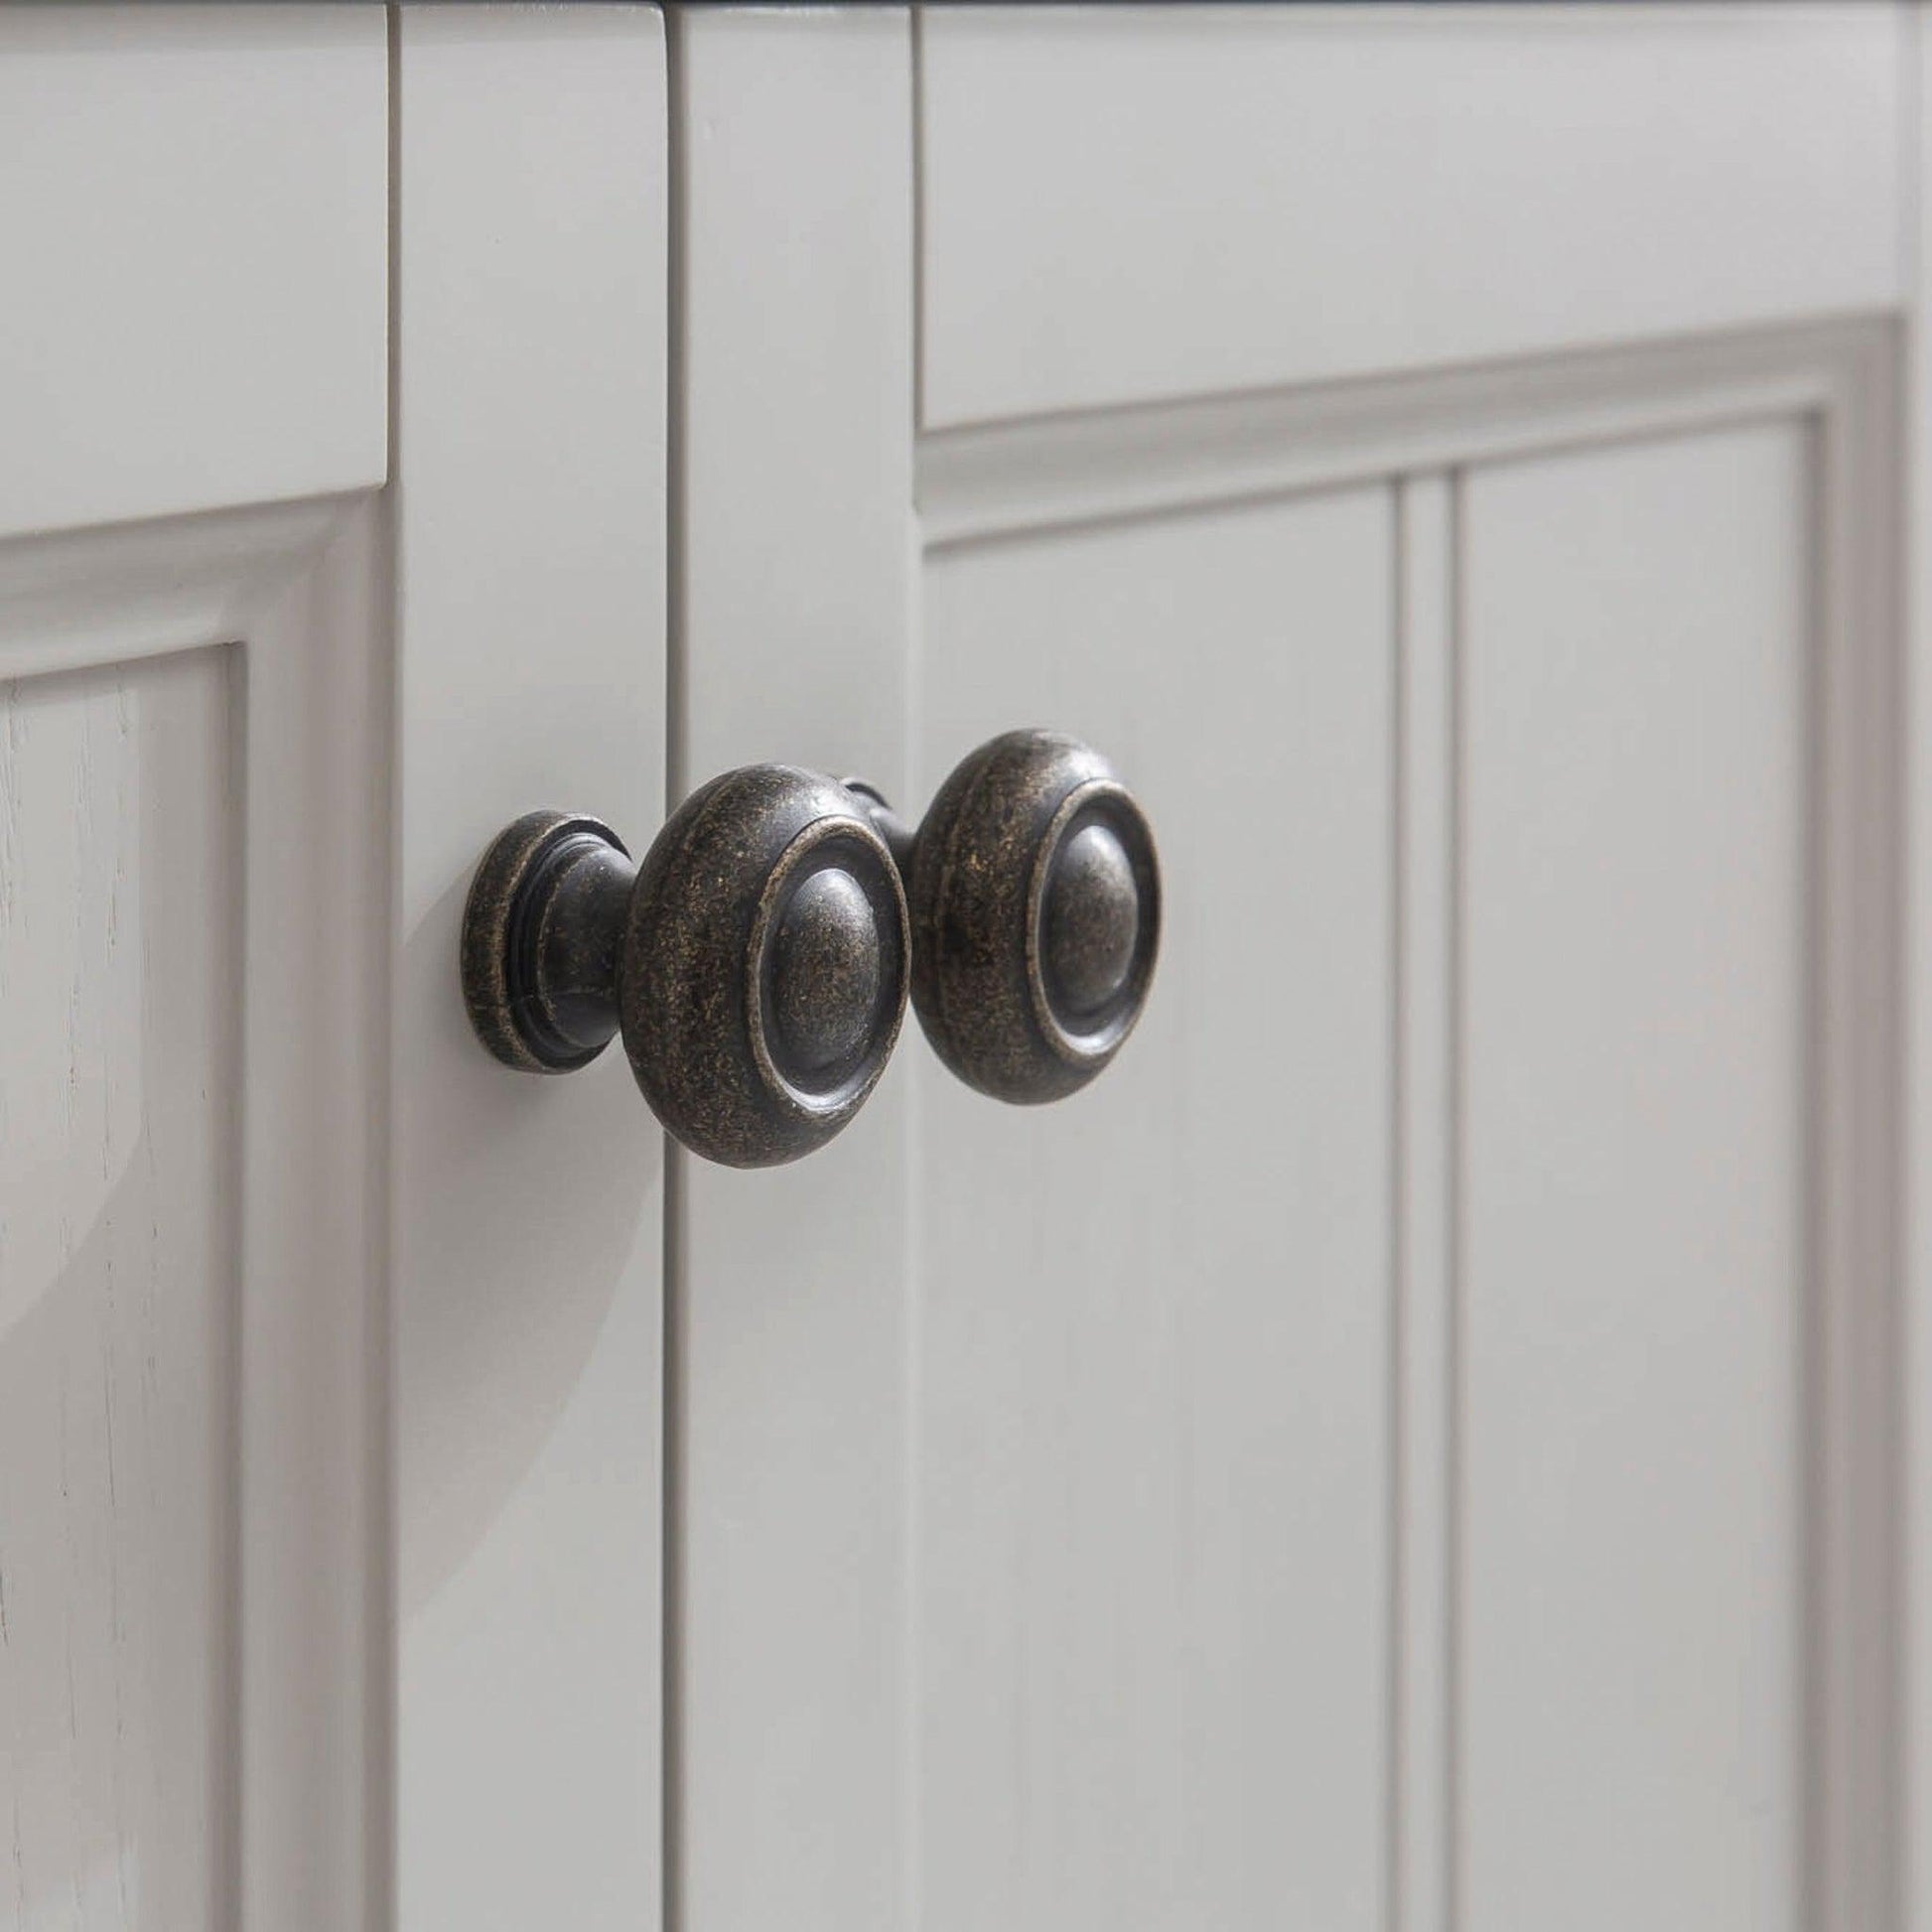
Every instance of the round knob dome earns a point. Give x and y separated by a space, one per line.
1035 903
1090 920
825 962
764 965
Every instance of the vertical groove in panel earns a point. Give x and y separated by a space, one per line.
671 1611
1395 1908
677 777
1811 1853
918 782
1852 1750
1915 1357
231 1797
1456 1117
1914 1660
380 1595
1423 1422
915 1077
918 216
678 774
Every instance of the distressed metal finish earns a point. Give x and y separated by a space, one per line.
509 988
1036 900
756 963
764 965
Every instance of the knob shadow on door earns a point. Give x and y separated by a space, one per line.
756 962
1034 895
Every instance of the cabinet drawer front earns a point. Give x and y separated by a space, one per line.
194 217
1124 204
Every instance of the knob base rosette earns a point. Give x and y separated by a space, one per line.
540 934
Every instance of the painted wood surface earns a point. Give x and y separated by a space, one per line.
194 217
195 913
1421 1429
1122 203
527 1213
1252 1409
1151 1490
120 971
791 1320
243 1680
1633 1276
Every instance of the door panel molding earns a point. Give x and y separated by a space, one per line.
1421 434
984 483
292 601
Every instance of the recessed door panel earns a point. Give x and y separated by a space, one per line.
1633 1269
1150 1437
118 1099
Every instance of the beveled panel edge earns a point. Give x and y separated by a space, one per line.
1108 465
75 599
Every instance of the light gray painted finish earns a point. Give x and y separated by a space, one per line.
1128 204
194 217
1152 1474
1634 1272
307 1621
527 1212
120 975
195 721
1050 1353
790 1311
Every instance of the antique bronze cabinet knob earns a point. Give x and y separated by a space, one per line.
756 962
1035 902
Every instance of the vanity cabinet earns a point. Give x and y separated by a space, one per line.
1432 1437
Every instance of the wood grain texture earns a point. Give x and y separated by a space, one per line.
1153 1471
1071 1363
1127 204
252 1696
1635 1266
194 215
531 260
120 975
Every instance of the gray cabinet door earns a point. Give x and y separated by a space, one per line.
1418 1441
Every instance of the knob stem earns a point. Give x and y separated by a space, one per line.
902 840
542 939
755 964
567 974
